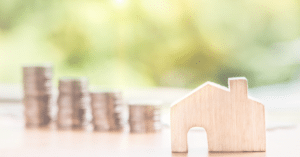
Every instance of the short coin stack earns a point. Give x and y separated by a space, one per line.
144 117
107 111
99 111
73 102
37 85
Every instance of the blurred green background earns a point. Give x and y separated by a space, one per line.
143 43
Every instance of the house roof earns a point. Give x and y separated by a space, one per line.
214 85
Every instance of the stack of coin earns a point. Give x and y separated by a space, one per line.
115 111
37 85
99 111
144 117
73 102
107 111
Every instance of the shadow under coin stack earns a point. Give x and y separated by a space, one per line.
144 117
73 102
107 111
37 84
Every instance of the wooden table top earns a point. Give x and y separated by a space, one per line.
15 140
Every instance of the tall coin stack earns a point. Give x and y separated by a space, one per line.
73 102
144 117
107 111
37 85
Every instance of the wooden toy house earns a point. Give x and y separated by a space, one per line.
232 120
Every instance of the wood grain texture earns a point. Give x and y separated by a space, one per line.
232 120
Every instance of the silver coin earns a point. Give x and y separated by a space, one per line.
100 123
101 128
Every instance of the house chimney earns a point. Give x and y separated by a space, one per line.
239 87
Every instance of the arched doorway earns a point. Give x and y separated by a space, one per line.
197 141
